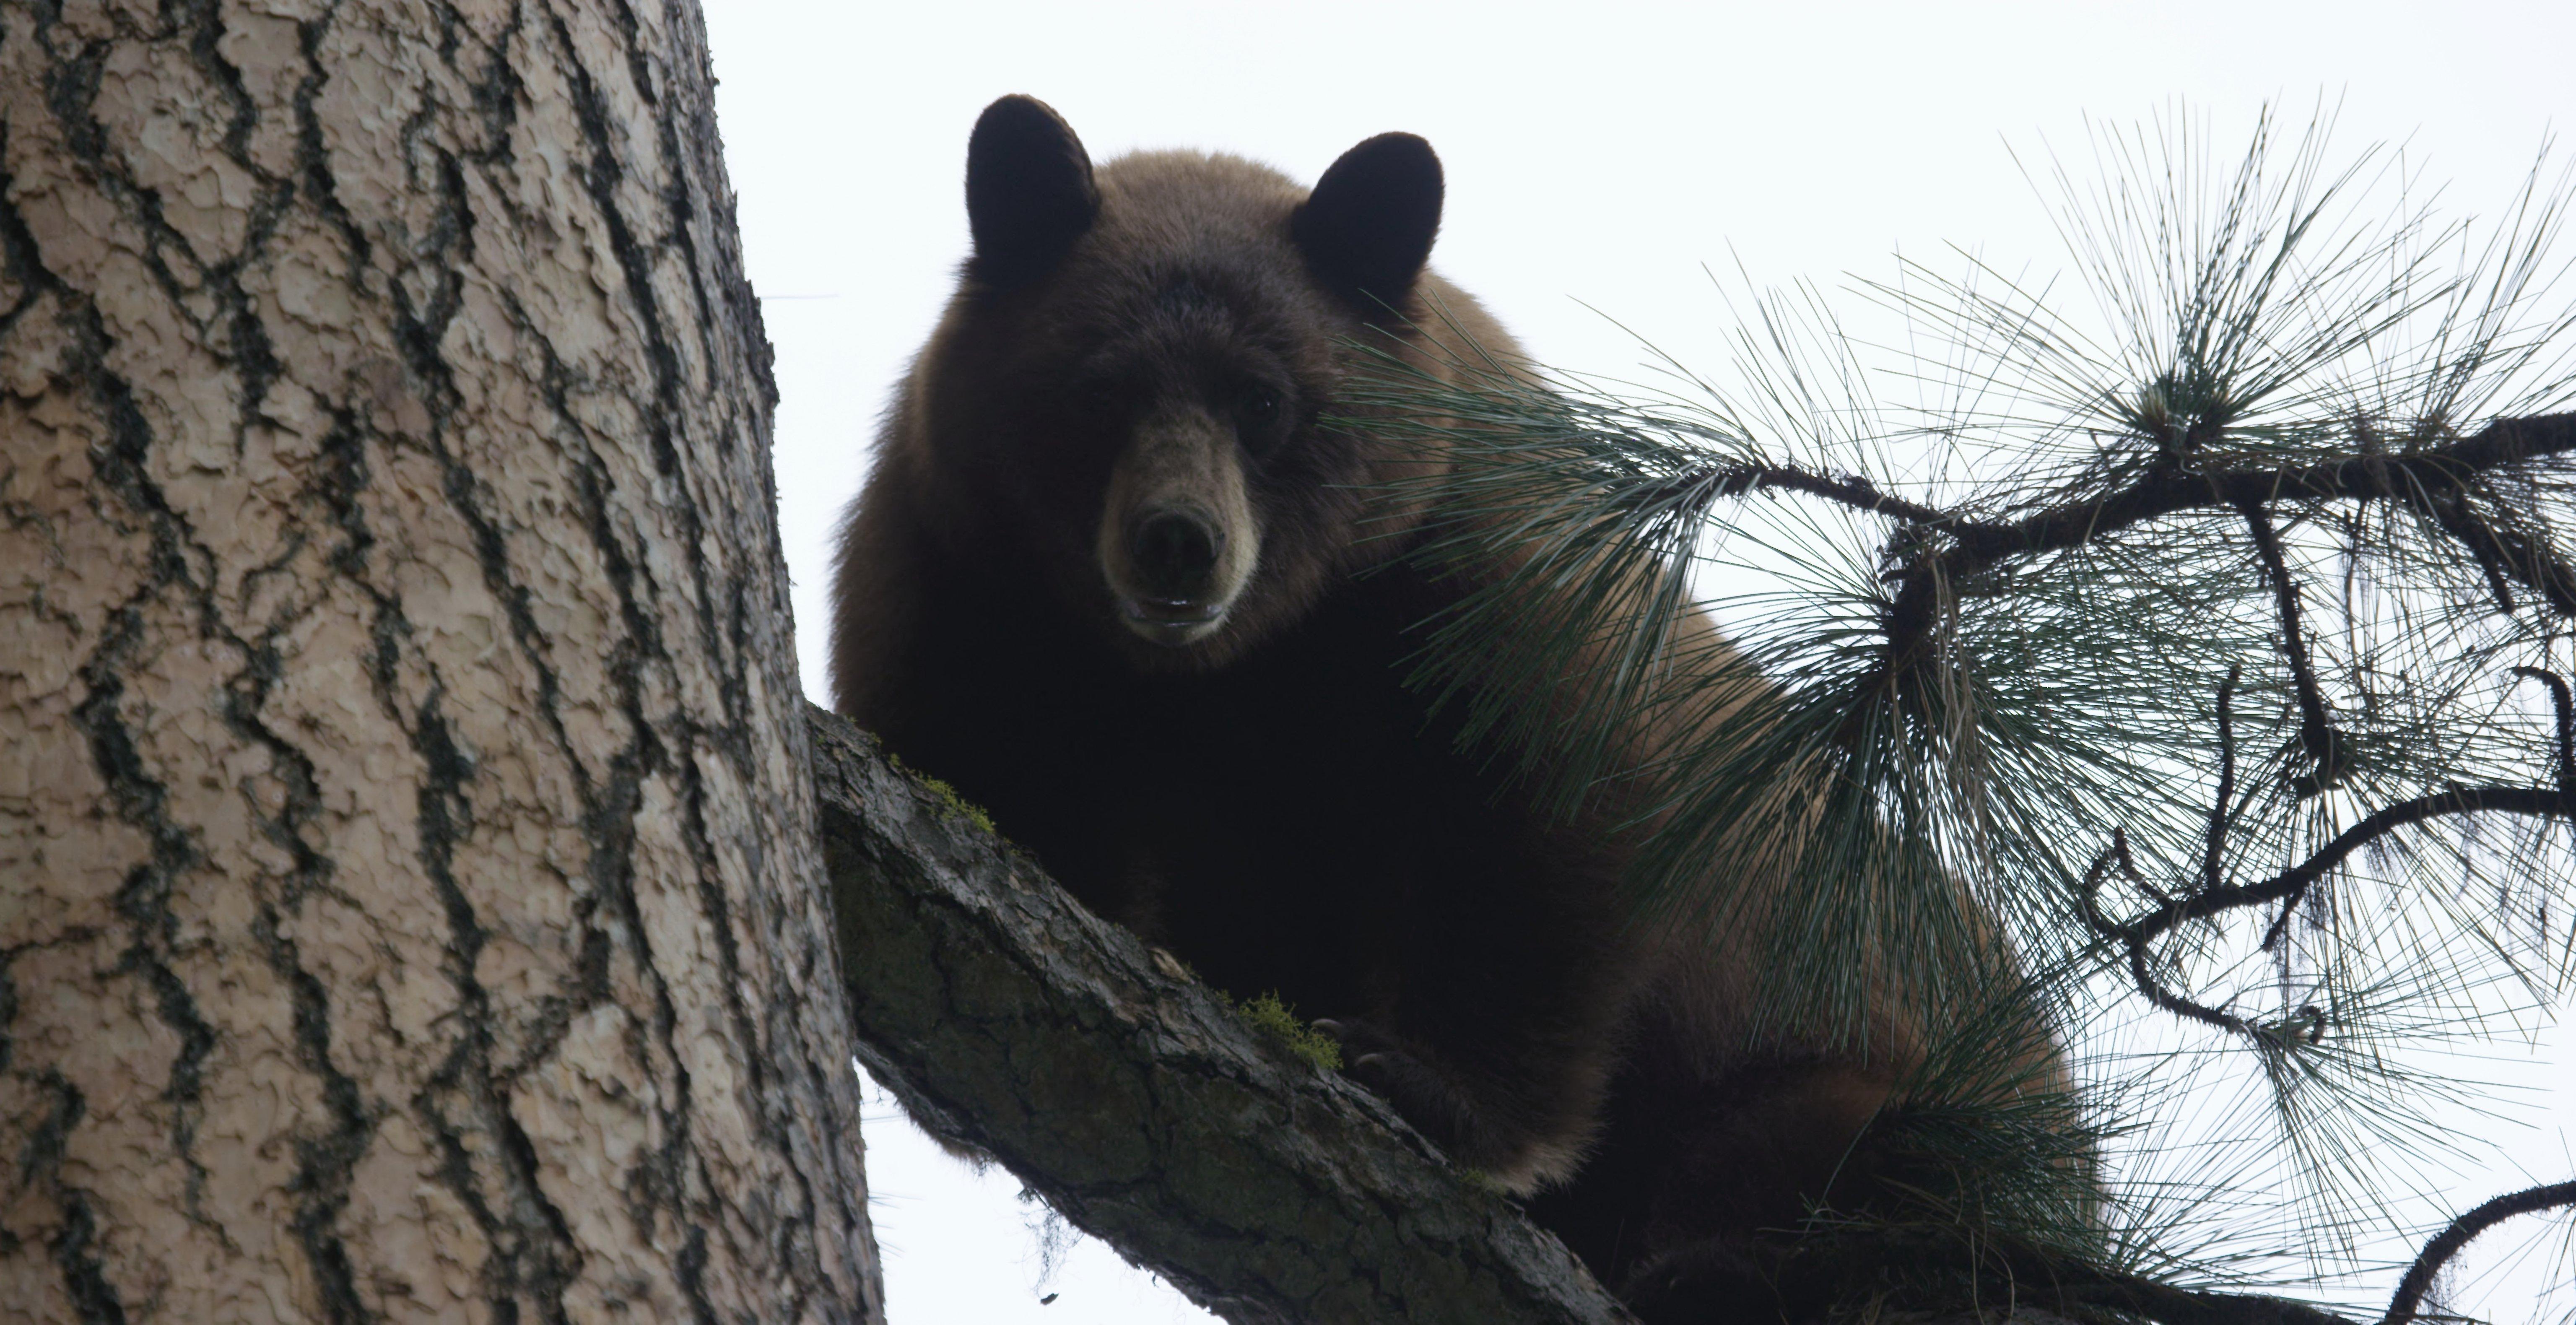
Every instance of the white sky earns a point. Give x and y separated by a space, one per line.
1600 154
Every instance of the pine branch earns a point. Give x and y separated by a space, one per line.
2140 955
2214 845
1853 490
1998 673
2447 1243
2505 555
2530 801
2137 936
2433 470
2427 477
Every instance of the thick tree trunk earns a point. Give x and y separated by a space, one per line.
408 900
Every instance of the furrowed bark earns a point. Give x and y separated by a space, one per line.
1135 1101
408 904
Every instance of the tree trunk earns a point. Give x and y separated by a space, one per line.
408 898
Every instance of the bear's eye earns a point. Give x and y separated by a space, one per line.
1260 405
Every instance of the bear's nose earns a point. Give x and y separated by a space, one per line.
1174 550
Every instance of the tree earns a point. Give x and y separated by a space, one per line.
412 904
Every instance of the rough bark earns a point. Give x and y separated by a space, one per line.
408 904
1135 1100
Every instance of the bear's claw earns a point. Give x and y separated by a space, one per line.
1419 1091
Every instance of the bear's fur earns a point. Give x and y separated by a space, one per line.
1107 580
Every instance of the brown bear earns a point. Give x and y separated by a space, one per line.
1117 578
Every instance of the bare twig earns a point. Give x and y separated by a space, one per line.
2566 706
2214 853
2317 732
2140 955
2137 936
2537 802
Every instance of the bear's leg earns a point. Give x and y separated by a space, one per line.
1497 1025
1701 1181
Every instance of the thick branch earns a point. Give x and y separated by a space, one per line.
1011 1020
1132 1098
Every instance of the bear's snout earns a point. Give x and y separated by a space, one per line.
1178 535
1174 550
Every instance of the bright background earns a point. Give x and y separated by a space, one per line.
1596 155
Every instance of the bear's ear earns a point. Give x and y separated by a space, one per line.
1367 228
1029 192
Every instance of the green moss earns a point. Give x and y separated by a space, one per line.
1278 1020
946 795
959 805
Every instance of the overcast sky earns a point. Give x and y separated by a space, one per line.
1598 156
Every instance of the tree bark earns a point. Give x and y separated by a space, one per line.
1010 1020
408 900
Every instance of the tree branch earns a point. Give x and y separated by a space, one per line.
2141 963
2447 1243
2532 801
2435 469
2137 936
2214 847
1010 1020
2565 705
2317 732
2432 471
2427 477
1852 490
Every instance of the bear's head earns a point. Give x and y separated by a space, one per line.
1134 391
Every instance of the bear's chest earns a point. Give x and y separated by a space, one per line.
1298 822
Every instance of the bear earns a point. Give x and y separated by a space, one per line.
1118 577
